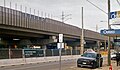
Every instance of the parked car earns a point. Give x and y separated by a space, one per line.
90 59
113 56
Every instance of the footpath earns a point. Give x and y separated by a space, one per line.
10 62
113 66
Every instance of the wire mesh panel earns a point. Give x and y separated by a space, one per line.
48 52
78 52
55 52
68 52
39 52
63 52
4 53
74 52
16 53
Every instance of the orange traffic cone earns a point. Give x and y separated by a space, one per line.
110 68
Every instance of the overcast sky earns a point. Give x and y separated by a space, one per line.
92 15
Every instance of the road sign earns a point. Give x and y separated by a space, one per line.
60 45
110 32
61 38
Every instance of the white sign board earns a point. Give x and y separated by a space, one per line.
115 17
61 38
58 45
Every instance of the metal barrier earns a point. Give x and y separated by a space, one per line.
4 53
28 53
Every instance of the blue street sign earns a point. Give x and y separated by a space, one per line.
113 15
110 31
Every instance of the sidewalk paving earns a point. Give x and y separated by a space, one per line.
105 67
11 62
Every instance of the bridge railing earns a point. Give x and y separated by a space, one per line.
29 53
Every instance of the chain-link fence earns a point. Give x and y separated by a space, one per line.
28 53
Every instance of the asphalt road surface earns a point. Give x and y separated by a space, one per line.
66 65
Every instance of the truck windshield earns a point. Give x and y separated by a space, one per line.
91 55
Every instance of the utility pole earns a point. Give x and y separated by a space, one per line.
82 36
64 16
109 60
4 3
96 27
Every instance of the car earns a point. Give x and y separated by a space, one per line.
90 59
113 56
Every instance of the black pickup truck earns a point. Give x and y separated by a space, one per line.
90 59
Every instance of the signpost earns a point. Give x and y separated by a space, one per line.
60 47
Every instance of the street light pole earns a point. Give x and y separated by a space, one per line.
82 36
109 60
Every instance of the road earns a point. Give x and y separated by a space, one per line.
66 65
42 66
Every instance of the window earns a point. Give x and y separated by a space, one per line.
91 55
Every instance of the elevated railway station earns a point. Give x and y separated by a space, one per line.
23 30
17 25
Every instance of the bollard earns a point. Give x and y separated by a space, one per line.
110 68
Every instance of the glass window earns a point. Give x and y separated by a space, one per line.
91 55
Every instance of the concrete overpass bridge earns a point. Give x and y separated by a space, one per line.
20 28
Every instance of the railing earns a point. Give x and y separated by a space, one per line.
28 53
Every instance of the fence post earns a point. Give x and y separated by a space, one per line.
52 53
23 55
65 52
9 53
44 52
71 52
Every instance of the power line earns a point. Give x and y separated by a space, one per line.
97 7
118 2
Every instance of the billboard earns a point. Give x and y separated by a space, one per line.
115 17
